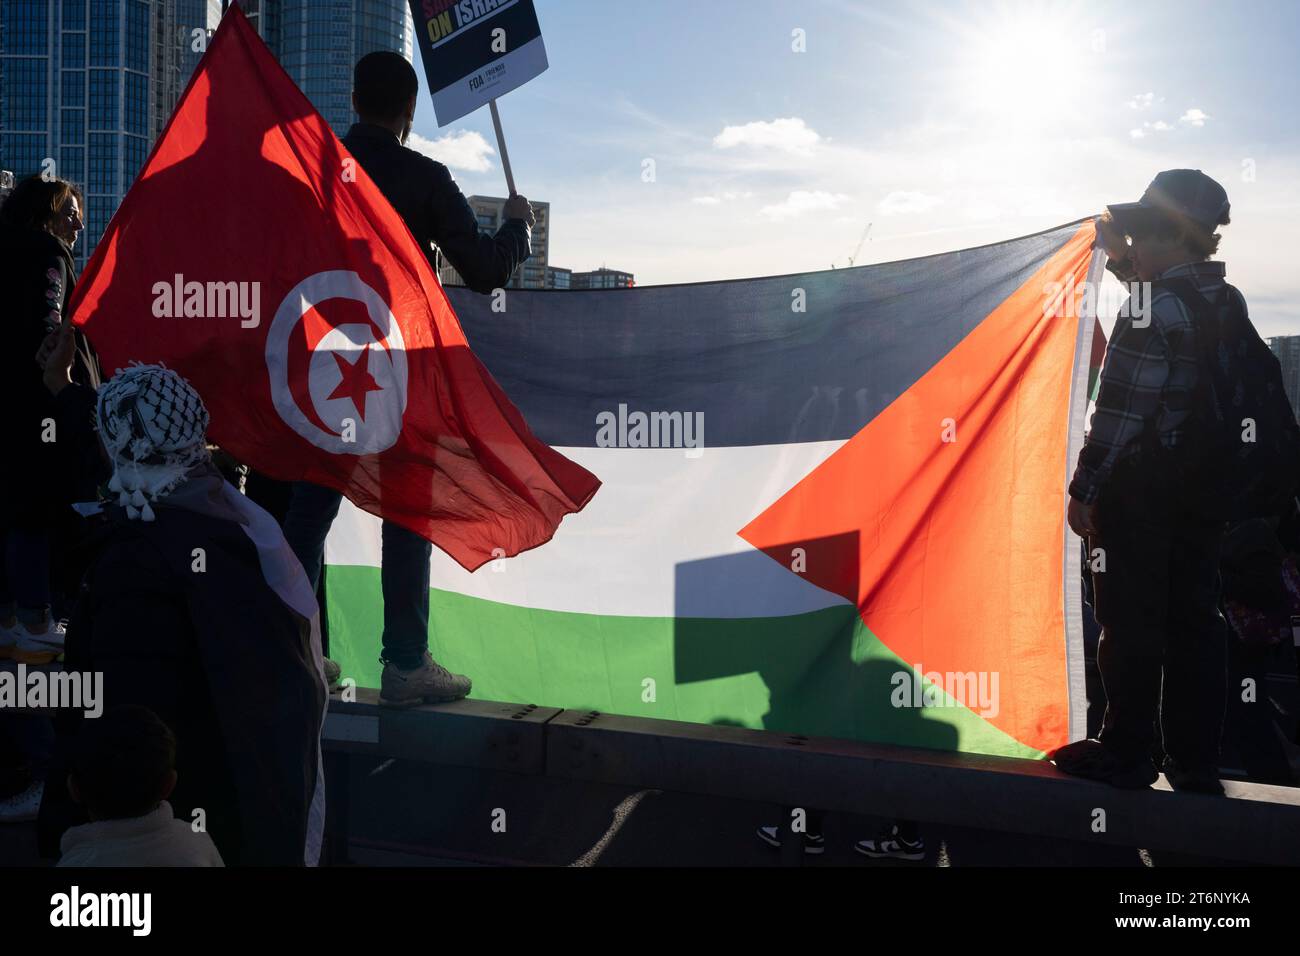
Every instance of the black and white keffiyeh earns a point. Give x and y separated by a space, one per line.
153 425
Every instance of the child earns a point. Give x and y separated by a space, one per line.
123 770
1163 642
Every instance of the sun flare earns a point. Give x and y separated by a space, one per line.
1025 66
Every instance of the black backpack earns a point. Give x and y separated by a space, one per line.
1242 456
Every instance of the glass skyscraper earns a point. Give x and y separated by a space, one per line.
75 97
321 40
174 53
86 86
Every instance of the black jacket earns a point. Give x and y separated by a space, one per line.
42 477
220 659
437 212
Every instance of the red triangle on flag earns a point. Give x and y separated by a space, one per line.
959 544
256 257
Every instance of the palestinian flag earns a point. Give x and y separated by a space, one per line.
833 503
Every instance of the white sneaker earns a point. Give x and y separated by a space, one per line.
889 844
23 807
8 639
813 843
38 648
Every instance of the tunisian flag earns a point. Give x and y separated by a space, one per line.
255 256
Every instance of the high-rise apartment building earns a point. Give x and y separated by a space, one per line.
181 30
76 98
86 86
1287 350
490 213
319 41
602 278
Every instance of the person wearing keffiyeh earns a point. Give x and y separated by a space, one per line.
194 606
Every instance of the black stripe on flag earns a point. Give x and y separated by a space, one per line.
736 351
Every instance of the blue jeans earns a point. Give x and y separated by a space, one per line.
405 573
25 574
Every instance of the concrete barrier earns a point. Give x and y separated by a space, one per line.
467 733
1252 823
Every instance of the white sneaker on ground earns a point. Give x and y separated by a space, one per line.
891 845
813 843
23 807
38 647
8 638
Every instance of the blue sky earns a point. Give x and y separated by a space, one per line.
944 124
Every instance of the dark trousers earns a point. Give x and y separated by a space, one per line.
1163 644
405 574
25 573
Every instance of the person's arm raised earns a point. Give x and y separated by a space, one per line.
484 262
1111 238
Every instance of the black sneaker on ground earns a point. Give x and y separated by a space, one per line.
890 844
1193 781
1092 760
813 843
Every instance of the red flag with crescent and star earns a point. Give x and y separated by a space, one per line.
255 256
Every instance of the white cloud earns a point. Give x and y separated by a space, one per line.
790 135
1144 101
900 203
1159 126
1194 117
462 149
718 200
801 201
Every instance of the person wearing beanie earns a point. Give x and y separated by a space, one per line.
1132 498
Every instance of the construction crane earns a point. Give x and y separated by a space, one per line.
865 233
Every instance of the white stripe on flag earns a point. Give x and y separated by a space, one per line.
658 540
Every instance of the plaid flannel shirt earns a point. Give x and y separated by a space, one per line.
1148 376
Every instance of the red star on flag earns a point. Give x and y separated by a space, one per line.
356 381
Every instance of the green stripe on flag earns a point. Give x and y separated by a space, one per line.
784 674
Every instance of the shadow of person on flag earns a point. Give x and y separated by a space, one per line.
818 667
825 675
